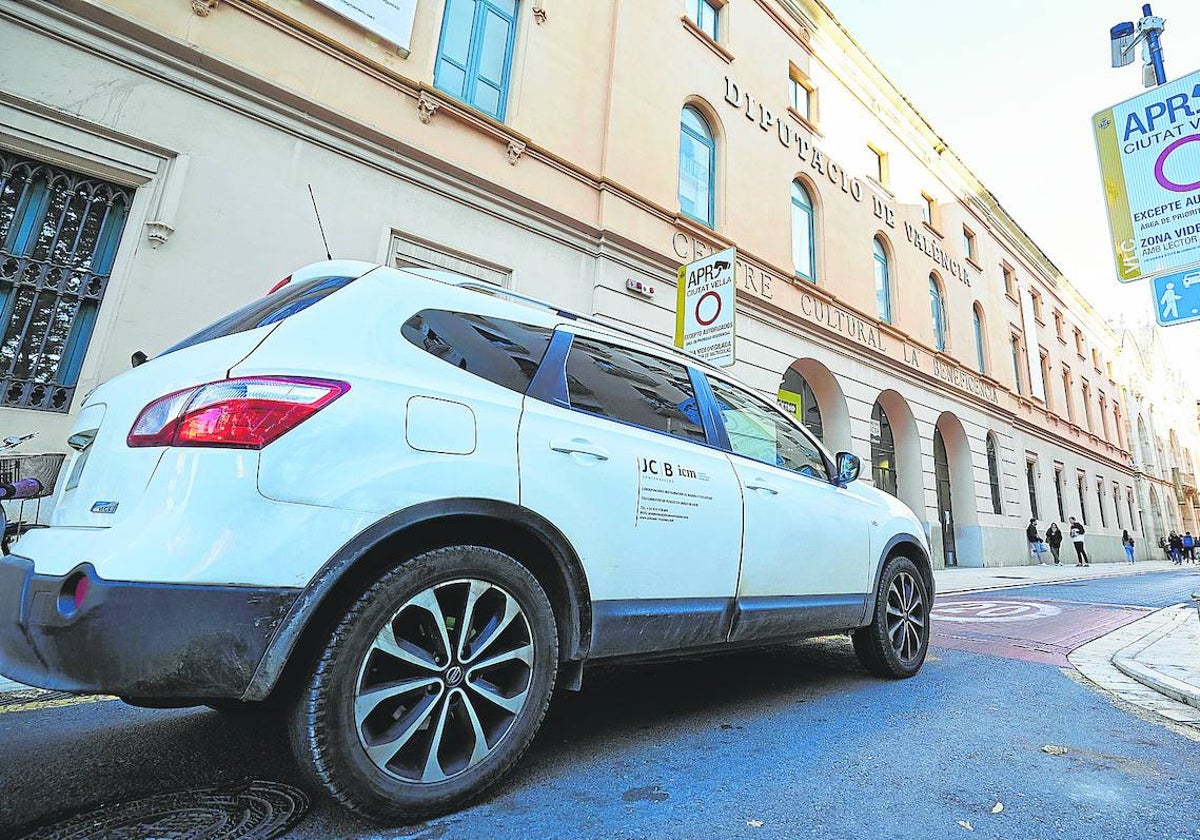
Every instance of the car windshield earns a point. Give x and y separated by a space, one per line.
271 309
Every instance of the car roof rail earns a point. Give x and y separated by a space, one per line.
651 338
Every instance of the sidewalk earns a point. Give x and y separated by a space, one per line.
1153 663
958 579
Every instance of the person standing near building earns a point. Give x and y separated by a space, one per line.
1127 541
1189 547
1077 533
1035 542
1054 539
1175 546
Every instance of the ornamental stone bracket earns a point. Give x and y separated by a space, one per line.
539 12
426 107
516 148
204 7
158 233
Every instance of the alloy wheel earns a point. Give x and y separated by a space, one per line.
444 680
906 617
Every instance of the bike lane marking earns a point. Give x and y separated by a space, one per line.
1028 629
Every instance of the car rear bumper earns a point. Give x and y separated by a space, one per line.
136 640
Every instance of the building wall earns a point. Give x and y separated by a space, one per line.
222 121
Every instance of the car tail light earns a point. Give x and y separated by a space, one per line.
245 413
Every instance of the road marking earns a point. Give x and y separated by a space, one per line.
974 612
33 704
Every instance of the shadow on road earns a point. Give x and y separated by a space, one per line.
66 760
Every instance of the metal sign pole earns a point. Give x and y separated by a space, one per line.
1153 27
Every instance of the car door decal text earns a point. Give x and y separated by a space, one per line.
669 491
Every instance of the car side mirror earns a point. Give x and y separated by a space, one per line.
849 466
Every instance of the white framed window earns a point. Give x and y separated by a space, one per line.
707 17
804 233
883 281
802 95
929 210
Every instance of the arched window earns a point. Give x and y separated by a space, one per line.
804 234
796 389
993 472
883 284
883 451
697 167
937 309
979 352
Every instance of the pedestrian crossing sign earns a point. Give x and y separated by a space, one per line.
1177 297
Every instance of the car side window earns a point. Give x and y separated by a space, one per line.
501 351
757 432
633 387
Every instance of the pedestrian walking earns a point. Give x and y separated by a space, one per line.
1189 547
1077 533
1165 546
1175 544
1054 540
1036 547
1127 541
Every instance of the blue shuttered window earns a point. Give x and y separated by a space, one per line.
58 238
475 53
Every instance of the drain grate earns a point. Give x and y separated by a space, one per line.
253 810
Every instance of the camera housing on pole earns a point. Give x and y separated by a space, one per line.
1122 36
1125 36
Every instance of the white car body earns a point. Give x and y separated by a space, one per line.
187 573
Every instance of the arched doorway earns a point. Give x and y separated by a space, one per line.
883 451
797 398
945 498
810 392
897 443
954 481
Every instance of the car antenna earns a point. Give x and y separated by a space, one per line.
320 226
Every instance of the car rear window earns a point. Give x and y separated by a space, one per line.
280 304
504 352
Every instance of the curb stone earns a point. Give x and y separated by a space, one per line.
1127 662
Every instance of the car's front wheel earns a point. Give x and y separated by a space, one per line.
431 686
895 642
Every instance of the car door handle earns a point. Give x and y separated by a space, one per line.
766 488
579 446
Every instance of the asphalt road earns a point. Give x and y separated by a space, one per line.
797 742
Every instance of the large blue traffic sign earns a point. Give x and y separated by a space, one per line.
1177 297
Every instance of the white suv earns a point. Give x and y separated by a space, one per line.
406 506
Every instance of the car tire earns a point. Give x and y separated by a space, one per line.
408 713
895 642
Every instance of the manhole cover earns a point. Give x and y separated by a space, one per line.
246 811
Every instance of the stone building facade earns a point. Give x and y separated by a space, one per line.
158 154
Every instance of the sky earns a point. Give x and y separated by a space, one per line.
1011 87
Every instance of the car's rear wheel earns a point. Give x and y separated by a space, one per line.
431 686
895 642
